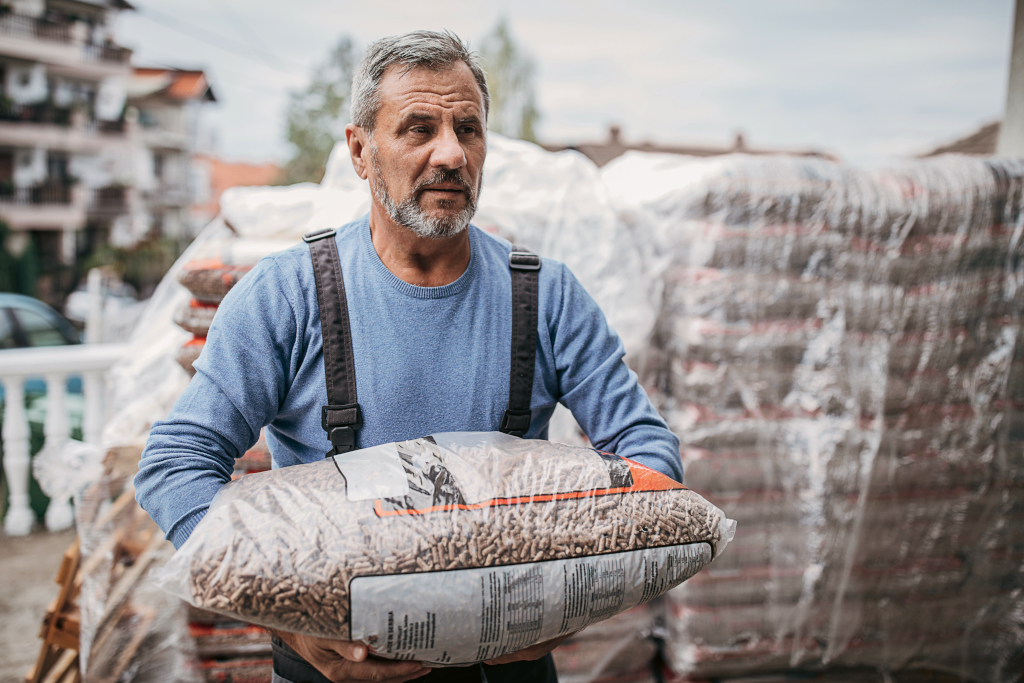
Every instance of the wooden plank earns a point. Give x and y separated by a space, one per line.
60 668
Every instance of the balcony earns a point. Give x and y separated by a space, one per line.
47 193
35 113
50 206
61 42
107 202
32 28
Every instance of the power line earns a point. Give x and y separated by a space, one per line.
246 32
211 38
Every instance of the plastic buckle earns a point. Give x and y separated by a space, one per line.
523 260
516 422
343 439
356 424
318 235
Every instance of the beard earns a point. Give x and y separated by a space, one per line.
410 214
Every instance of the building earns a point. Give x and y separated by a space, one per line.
213 176
165 108
981 142
92 150
62 96
603 152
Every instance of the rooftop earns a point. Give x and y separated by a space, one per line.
175 84
603 152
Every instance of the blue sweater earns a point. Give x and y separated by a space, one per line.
428 359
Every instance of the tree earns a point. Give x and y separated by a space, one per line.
318 114
510 81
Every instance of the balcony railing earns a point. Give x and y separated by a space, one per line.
107 53
50 193
55 364
108 201
35 113
30 27
60 31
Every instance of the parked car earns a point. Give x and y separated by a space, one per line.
26 322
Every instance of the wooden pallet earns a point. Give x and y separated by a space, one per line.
58 657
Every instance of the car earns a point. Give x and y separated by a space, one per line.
27 322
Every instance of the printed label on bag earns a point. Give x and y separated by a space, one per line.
410 616
439 479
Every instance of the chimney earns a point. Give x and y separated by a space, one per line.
614 135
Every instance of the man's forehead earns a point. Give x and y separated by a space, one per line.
404 87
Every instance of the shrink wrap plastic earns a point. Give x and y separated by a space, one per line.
840 352
450 549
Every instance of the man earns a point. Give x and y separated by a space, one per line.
429 299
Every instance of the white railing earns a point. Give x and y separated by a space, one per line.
54 364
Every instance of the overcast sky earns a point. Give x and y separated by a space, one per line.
866 79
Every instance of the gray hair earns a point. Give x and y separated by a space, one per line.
428 49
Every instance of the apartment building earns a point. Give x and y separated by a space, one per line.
92 150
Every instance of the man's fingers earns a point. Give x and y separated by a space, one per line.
352 651
378 670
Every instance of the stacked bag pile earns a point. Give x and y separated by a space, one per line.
841 354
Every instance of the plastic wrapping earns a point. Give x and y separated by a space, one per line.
129 629
840 352
449 549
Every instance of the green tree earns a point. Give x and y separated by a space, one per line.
510 74
318 114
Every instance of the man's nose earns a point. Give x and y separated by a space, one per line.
447 152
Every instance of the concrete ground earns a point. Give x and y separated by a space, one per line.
28 566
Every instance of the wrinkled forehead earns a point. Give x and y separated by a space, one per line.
451 84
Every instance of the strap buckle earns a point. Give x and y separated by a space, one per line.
318 235
341 423
523 260
515 422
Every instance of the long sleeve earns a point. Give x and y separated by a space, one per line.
241 379
602 393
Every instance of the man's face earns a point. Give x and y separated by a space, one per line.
428 148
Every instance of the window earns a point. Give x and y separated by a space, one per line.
7 339
39 331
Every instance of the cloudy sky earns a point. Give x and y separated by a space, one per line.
866 79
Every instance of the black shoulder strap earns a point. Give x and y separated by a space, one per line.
341 416
525 269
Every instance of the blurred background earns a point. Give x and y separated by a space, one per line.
118 158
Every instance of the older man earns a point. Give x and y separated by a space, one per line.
427 302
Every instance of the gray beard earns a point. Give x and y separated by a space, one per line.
409 213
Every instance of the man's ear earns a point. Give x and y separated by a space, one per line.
359 149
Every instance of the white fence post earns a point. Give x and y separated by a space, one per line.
59 514
18 521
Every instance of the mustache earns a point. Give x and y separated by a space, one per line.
444 175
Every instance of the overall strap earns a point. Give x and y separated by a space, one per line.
525 270
341 417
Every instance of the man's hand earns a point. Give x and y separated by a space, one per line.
344 660
531 653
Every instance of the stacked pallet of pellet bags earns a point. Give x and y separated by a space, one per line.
835 433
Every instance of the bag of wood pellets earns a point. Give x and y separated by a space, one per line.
450 549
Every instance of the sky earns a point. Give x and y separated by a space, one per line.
867 80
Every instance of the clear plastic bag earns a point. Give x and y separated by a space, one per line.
449 549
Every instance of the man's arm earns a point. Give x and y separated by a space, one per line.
241 380
601 391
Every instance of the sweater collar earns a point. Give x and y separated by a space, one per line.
415 291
